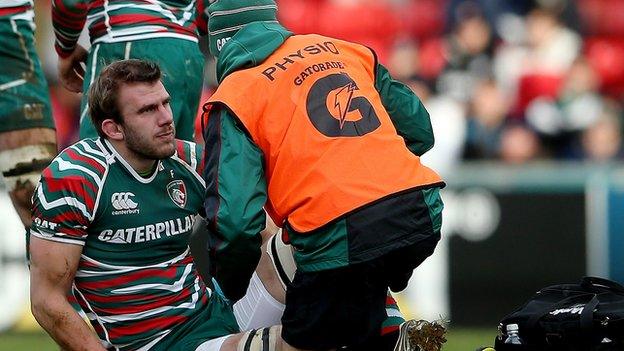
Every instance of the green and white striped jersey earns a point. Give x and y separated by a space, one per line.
136 279
111 21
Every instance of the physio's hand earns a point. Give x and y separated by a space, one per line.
71 71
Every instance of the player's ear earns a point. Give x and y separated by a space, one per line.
112 130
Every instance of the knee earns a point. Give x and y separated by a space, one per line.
21 169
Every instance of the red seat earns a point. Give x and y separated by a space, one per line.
370 23
422 19
606 56
602 17
432 56
300 16
534 85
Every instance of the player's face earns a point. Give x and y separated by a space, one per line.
147 120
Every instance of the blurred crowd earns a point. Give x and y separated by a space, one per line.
509 80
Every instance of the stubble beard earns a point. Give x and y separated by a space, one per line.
148 149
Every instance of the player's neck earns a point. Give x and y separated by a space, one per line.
139 163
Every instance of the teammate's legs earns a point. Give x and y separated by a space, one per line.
27 136
23 155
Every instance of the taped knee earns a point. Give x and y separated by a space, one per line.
282 257
23 165
263 339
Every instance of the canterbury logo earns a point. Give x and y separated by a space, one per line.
123 201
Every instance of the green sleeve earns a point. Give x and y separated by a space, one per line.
409 116
234 201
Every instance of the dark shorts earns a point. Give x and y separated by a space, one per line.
346 306
24 97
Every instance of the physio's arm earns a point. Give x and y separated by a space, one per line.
233 203
408 114
52 269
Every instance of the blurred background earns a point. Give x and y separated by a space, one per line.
526 100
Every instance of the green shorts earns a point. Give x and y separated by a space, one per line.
182 66
24 96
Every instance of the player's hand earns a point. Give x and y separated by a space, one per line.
71 69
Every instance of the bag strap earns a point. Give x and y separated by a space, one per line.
531 322
589 282
587 316
587 319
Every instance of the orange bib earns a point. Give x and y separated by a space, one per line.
328 143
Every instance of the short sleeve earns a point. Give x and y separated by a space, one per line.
63 203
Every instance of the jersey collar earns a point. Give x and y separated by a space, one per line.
108 146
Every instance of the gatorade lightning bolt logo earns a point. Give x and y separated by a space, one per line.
342 101
330 100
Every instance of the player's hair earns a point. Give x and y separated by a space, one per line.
104 91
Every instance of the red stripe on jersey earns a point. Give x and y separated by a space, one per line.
147 305
9 11
158 323
100 29
117 298
388 330
47 173
137 18
170 274
202 163
181 153
99 169
87 264
73 187
97 29
73 184
68 21
149 19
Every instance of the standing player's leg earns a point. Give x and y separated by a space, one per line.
27 135
23 155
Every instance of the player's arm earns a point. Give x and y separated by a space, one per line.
68 19
409 116
62 209
235 197
52 269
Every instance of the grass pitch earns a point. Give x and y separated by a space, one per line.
459 339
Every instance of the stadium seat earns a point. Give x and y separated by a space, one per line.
534 85
605 55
